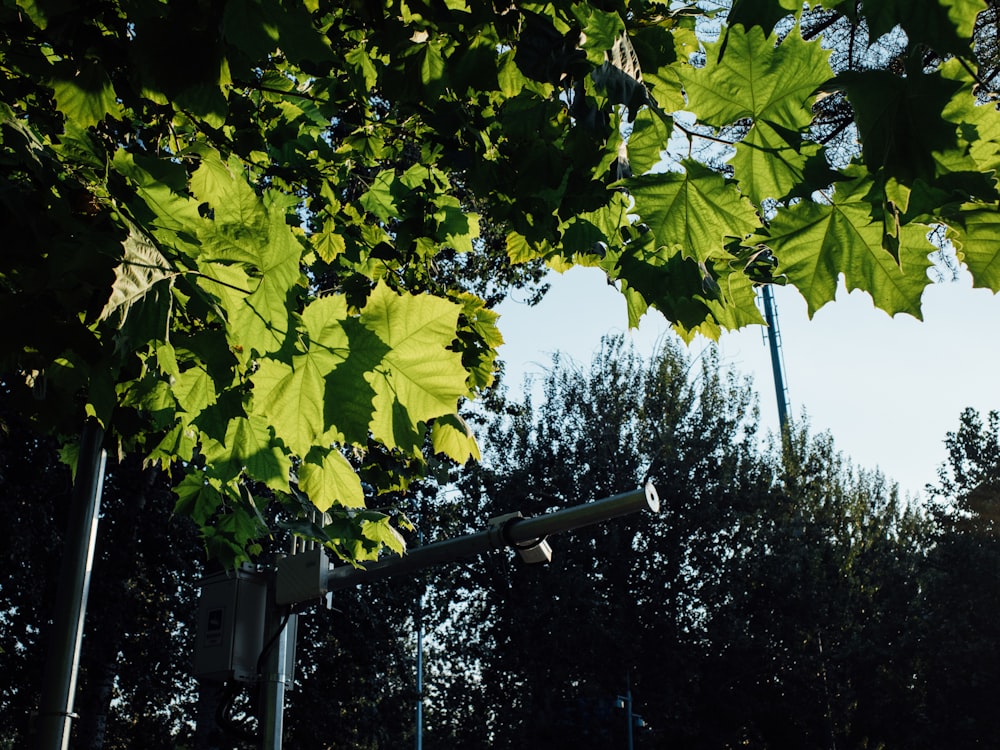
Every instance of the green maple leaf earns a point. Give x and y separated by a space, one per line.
944 25
733 304
347 352
650 133
977 124
261 318
381 198
419 378
588 233
520 249
891 114
457 227
977 240
770 163
329 479
691 213
248 230
238 211
86 96
141 268
815 243
380 531
747 76
695 297
758 80
249 446
328 244
324 396
197 498
194 390
153 396
163 206
451 436
179 442
600 30
290 398
479 341
762 13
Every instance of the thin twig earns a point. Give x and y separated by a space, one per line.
694 134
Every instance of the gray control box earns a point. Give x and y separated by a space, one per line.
230 635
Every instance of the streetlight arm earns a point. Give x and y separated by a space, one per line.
513 532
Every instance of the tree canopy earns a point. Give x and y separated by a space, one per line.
779 595
249 238
781 598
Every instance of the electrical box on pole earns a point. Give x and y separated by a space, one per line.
231 615
302 576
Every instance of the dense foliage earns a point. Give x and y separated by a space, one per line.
255 239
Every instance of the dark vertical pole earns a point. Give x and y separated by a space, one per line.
628 708
772 339
61 667
280 631
420 654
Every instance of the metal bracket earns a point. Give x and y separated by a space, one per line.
532 551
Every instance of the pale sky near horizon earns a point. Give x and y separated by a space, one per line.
887 389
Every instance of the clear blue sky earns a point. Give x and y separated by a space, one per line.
888 389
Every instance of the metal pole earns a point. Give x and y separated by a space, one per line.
420 685
515 531
62 665
771 317
280 626
628 708
420 655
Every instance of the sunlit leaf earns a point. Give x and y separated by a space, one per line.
381 532
978 242
249 446
816 243
691 213
330 481
86 96
141 267
290 398
419 377
194 389
451 436
757 79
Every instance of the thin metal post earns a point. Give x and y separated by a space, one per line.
280 630
628 708
420 685
420 653
777 366
62 665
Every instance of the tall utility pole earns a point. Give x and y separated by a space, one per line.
420 649
777 360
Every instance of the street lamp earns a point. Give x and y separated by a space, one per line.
247 614
632 720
